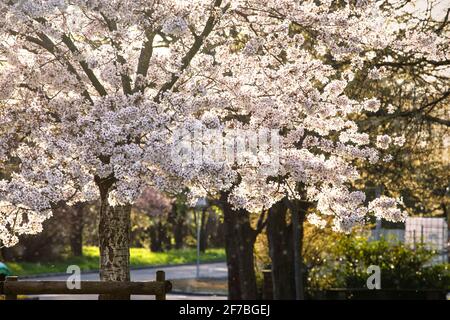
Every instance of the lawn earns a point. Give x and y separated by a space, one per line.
140 257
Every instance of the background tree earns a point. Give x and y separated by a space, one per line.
157 206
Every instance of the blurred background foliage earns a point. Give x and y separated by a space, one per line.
345 263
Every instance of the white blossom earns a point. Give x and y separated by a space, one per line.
86 102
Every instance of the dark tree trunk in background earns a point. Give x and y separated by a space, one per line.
164 236
279 236
239 246
114 240
177 220
246 240
155 239
215 228
76 230
299 210
203 231
179 234
232 253
159 236
6 254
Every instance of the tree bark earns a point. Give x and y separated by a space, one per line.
159 238
279 236
299 210
114 242
178 234
246 237
203 231
239 246
155 240
232 253
6 254
176 220
164 235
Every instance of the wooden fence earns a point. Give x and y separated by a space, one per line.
11 287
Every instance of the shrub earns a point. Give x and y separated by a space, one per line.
402 267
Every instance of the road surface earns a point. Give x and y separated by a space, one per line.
207 270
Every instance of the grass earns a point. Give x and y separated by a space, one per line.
139 257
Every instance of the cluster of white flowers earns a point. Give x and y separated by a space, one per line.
175 26
383 141
385 208
96 90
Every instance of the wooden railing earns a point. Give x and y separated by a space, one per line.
11 287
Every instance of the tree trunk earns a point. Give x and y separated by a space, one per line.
279 236
164 236
232 253
176 220
6 254
155 240
215 231
178 234
114 242
246 240
76 230
239 246
203 232
299 210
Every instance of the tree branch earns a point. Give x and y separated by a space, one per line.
436 120
90 74
126 80
71 45
47 44
186 60
144 60
262 222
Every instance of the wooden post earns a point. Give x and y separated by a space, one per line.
10 296
161 277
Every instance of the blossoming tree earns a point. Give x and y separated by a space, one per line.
94 94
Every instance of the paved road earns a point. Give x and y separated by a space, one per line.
208 270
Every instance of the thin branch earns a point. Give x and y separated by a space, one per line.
47 44
88 71
126 80
186 60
